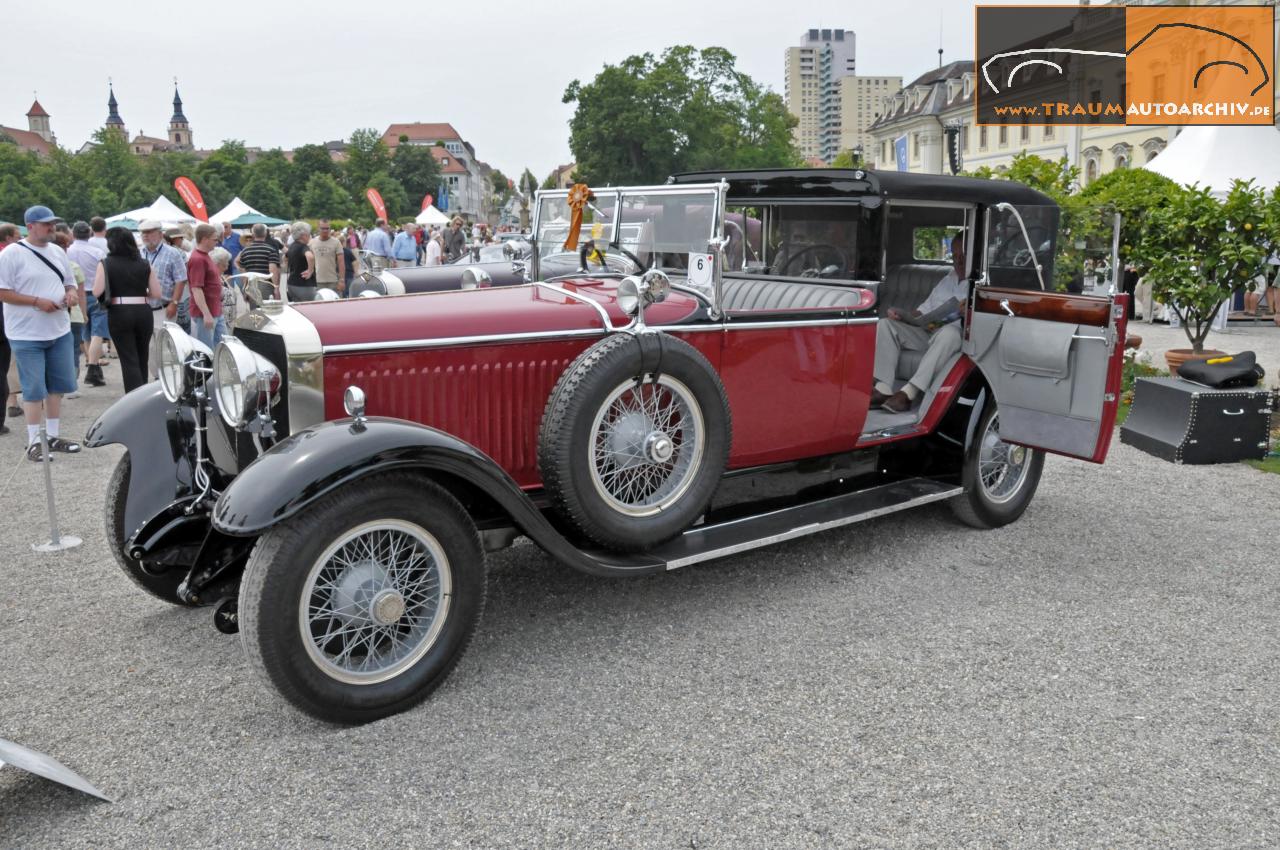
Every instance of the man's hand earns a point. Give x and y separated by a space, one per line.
209 322
895 313
306 274
46 305
171 310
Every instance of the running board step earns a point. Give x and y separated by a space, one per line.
706 542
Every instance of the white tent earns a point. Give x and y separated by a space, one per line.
233 211
162 210
431 216
1214 156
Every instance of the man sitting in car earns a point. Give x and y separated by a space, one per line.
933 327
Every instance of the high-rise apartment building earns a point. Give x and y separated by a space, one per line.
812 79
861 103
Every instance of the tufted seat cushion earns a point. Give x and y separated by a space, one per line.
741 294
908 284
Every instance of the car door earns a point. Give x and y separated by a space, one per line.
1052 359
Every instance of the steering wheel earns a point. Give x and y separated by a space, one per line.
817 271
1023 256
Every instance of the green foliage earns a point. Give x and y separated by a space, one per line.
324 197
308 161
417 171
1134 193
393 195
230 165
102 198
265 195
1198 250
646 118
367 155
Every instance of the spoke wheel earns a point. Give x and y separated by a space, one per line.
375 601
647 442
634 439
360 605
1002 467
999 478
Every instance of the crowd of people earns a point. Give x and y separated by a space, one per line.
86 292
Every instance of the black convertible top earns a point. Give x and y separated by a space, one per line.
852 183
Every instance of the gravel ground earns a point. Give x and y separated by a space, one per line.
1103 673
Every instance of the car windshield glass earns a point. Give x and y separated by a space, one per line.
554 217
659 225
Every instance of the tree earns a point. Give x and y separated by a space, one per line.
109 163
416 169
367 155
325 198
103 201
1134 193
393 195
266 196
1199 250
139 193
646 118
308 161
230 165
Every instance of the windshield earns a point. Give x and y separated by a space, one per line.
660 225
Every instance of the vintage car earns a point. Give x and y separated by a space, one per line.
333 474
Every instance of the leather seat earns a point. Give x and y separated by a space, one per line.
905 287
908 284
744 294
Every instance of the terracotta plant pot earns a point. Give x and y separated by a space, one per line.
1175 357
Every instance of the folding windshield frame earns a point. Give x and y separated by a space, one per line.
715 239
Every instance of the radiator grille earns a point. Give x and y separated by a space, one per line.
496 406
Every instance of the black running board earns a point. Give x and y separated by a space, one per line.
706 542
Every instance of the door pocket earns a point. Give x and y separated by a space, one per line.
1034 347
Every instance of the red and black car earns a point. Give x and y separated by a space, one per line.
332 475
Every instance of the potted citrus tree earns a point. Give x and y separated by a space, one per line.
1199 250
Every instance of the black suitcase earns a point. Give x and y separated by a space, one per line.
1184 422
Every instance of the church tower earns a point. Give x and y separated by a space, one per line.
179 129
114 121
38 122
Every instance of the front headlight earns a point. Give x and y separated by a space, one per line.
175 350
244 381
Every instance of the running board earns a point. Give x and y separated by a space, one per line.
706 542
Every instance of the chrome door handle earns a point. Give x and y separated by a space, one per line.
1004 305
1232 412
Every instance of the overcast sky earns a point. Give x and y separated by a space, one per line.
283 75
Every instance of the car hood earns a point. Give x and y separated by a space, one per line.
497 311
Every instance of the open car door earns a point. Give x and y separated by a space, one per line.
1053 359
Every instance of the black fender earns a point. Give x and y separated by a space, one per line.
146 424
307 465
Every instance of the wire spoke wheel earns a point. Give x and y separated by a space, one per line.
646 445
1002 467
375 601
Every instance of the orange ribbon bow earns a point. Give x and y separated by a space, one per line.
578 197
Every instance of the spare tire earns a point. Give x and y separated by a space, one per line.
634 439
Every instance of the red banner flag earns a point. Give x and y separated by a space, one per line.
426 201
191 197
379 208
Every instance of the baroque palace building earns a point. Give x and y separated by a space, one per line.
940 102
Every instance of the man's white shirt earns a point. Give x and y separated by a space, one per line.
949 288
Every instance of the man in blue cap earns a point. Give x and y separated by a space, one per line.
37 286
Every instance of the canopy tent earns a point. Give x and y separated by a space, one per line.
431 216
250 219
162 210
241 214
1214 156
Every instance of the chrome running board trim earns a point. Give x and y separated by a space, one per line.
719 540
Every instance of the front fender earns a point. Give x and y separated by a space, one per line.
145 423
304 467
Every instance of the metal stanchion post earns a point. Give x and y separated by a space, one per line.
57 541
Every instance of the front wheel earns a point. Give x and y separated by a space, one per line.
160 583
360 606
999 478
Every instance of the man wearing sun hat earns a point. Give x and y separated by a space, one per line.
37 286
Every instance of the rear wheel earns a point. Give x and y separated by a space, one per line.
160 584
999 478
360 606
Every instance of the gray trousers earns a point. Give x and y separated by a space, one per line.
894 337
